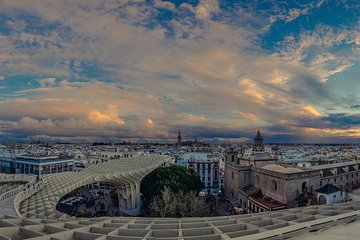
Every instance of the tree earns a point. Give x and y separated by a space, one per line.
164 205
102 206
170 204
188 205
176 178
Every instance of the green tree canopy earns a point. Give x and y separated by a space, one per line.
169 204
176 178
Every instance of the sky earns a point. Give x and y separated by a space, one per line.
219 70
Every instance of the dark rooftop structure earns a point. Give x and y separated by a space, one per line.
328 189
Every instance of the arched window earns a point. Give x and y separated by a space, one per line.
304 187
322 200
273 185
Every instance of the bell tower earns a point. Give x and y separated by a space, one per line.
232 156
258 143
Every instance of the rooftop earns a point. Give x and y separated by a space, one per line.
282 169
333 165
265 201
260 156
287 223
328 189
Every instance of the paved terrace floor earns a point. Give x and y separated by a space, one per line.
40 221
292 223
7 207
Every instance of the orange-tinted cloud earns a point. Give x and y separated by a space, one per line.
310 109
108 116
252 90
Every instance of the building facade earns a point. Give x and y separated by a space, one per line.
207 166
329 194
37 165
260 183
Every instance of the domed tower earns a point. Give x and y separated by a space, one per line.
258 143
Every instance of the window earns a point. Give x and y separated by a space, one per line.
340 178
304 187
232 158
232 175
274 185
320 183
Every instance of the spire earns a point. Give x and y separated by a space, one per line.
179 139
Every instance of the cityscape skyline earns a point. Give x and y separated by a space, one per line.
217 70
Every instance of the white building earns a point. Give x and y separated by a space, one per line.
329 194
207 166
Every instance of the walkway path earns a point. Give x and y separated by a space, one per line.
7 207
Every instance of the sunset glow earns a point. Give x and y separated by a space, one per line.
216 69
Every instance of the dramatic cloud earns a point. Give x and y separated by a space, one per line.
111 115
98 70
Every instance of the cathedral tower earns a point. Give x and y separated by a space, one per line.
258 143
